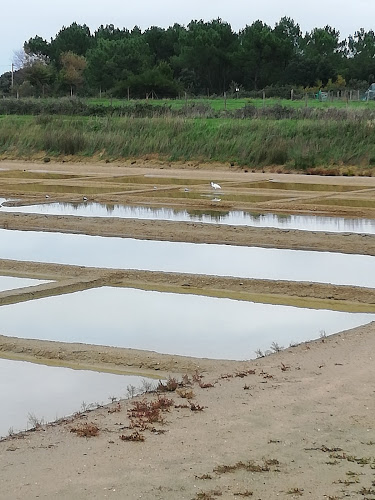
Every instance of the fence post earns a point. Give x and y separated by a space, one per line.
225 101
305 99
264 98
291 95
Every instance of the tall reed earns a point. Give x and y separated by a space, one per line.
299 144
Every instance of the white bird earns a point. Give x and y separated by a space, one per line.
215 186
84 198
47 196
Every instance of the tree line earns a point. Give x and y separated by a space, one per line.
203 58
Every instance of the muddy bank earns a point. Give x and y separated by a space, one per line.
103 358
193 232
68 279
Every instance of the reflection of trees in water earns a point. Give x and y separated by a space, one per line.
214 215
234 217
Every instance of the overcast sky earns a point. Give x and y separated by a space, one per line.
24 19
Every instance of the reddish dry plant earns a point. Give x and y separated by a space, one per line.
146 412
88 429
135 436
170 385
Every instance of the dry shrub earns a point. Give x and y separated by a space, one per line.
135 436
208 495
250 466
146 412
88 429
170 385
186 394
197 377
115 409
205 385
196 407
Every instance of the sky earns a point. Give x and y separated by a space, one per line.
26 19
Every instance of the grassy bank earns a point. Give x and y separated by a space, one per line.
297 144
191 108
221 104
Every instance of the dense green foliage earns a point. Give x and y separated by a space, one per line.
203 58
299 144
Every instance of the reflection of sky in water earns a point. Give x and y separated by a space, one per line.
221 260
10 283
52 392
170 323
236 217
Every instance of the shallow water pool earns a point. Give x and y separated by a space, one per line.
220 260
47 392
11 283
170 323
233 217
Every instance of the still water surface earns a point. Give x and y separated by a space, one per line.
220 260
170 323
235 217
10 283
50 392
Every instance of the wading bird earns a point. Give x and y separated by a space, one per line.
215 186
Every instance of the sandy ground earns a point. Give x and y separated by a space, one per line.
298 423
